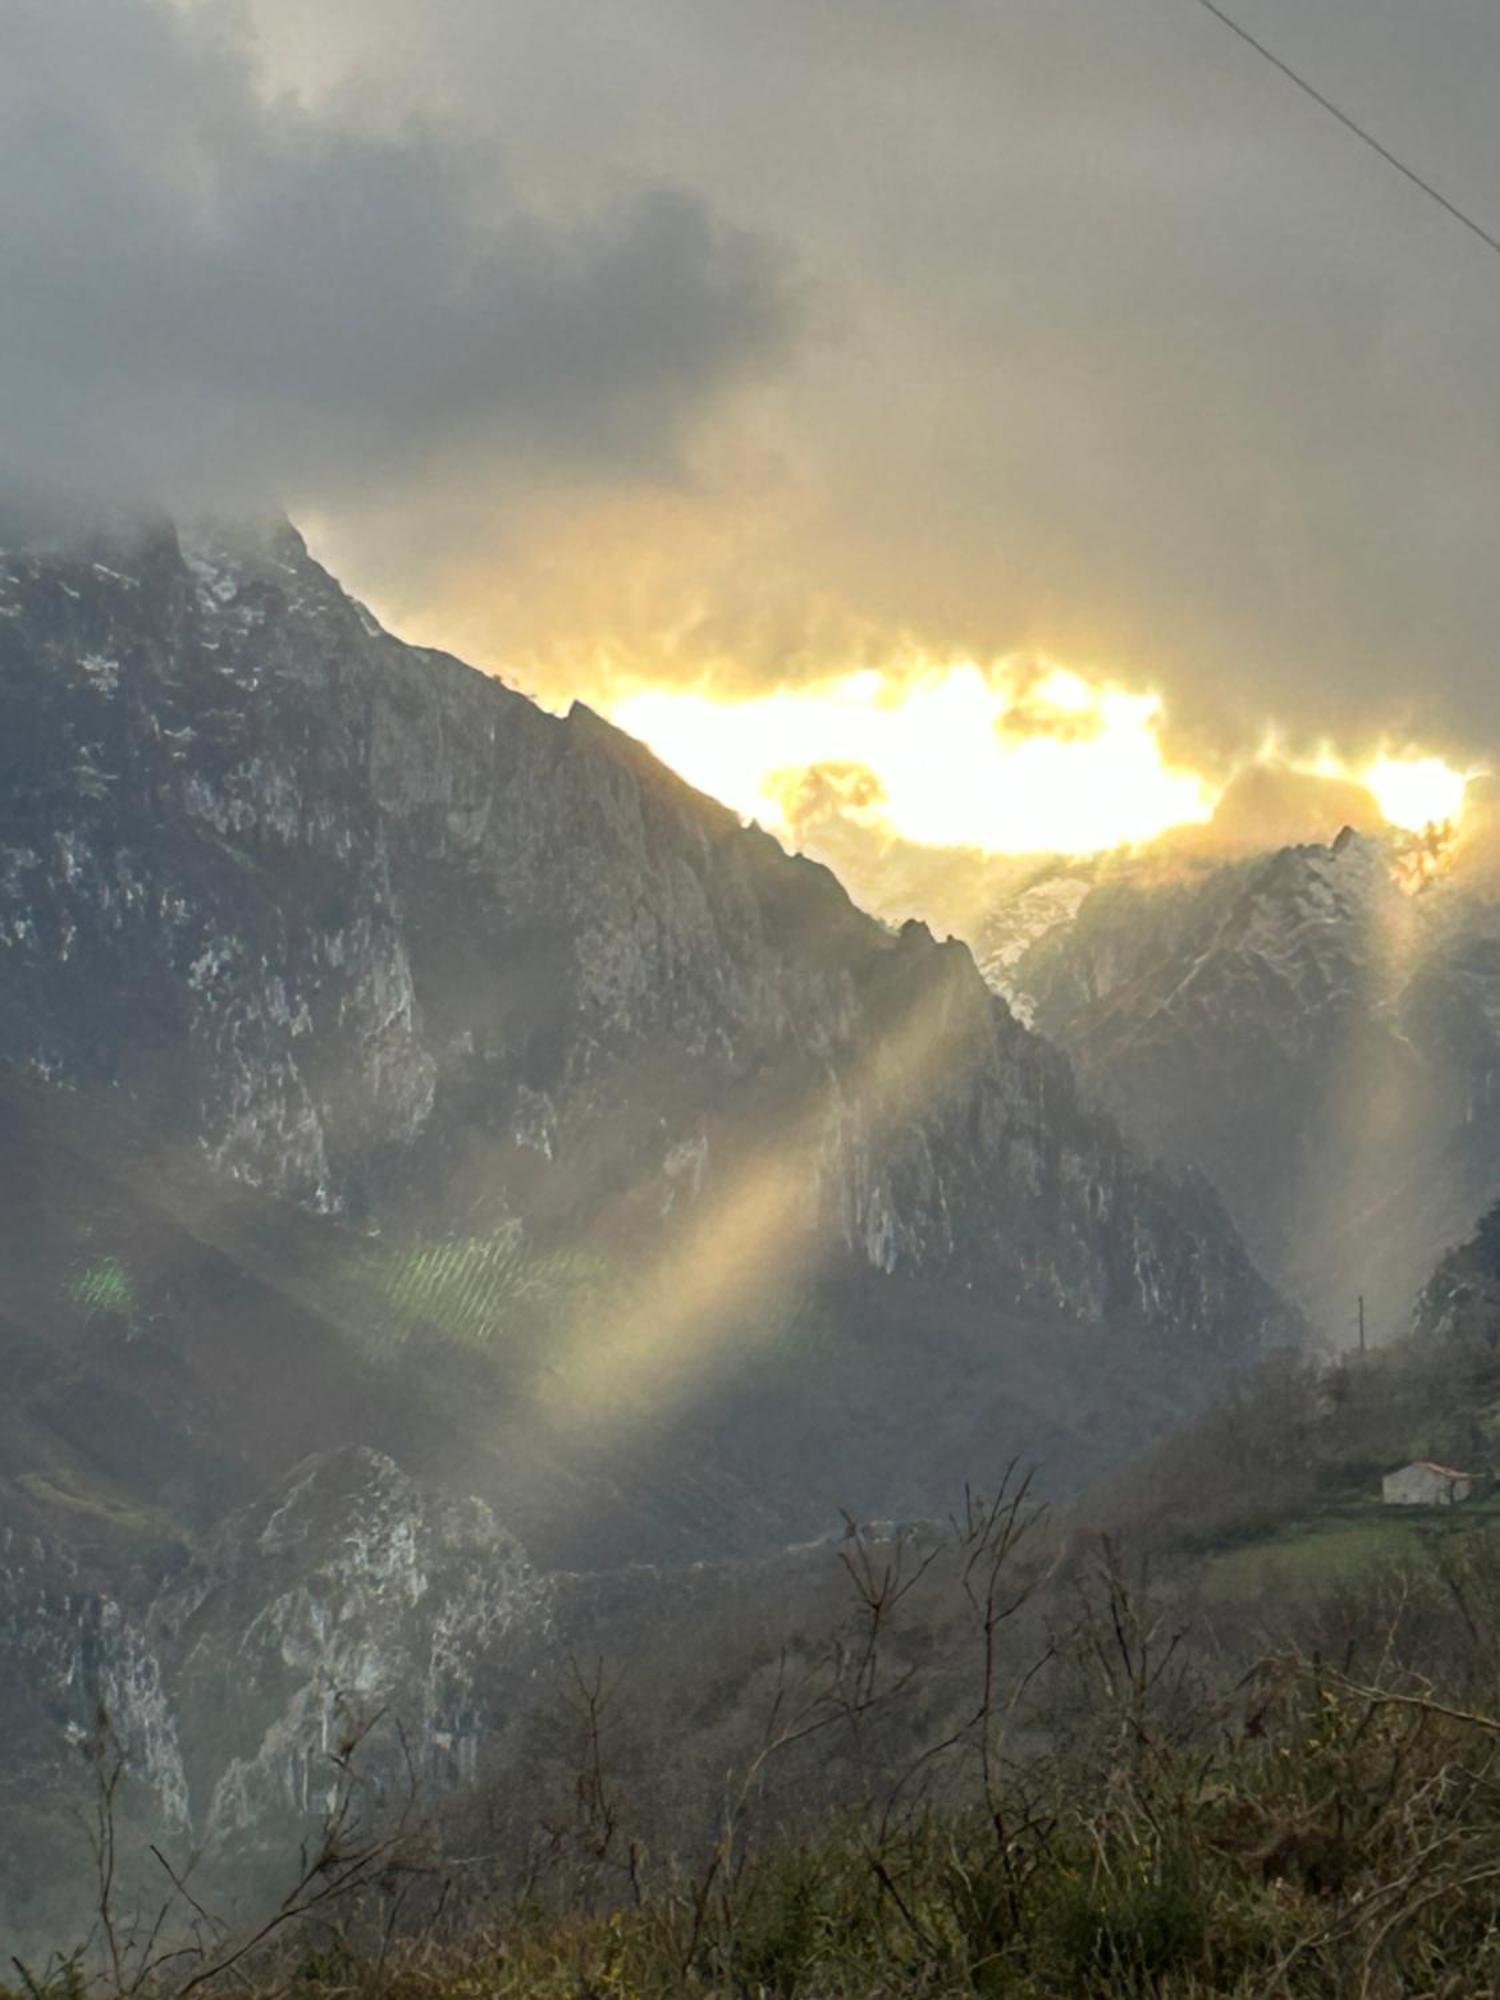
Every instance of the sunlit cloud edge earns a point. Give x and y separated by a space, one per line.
1013 757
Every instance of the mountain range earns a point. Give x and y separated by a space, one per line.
441 1149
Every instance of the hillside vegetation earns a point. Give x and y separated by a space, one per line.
1009 1761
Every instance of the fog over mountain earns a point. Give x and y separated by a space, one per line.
749 999
1313 1028
1120 350
738 349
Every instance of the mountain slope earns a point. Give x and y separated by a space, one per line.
600 1093
1320 1042
438 1147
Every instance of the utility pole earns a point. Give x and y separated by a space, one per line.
1361 1322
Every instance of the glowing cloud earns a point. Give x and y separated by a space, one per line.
1010 759
1007 761
1416 792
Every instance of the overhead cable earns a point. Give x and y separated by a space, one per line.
1352 125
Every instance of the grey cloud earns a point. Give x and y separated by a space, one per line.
1127 354
1142 359
205 285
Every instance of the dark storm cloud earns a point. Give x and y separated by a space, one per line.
208 287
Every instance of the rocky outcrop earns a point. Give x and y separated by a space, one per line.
349 1597
350 1615
1461 1300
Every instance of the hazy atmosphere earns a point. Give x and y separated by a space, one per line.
737 350
749 1000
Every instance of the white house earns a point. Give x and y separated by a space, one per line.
1423 1484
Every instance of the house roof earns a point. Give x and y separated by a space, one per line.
1429 1465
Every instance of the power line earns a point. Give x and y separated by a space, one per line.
1351 125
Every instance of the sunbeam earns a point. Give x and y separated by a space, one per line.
761 1225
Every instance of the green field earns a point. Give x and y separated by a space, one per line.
1311 1555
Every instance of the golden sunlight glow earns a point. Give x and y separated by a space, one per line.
754 1235
1416 792
1013 760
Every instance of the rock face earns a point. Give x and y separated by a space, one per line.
1461 1300
1320 1042
1010 931
395 1075
350 1607
359 927
346 1591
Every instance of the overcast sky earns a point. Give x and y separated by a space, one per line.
748 337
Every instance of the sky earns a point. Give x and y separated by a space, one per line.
824 388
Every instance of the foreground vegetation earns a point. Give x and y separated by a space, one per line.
1015 1767
1337 1841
